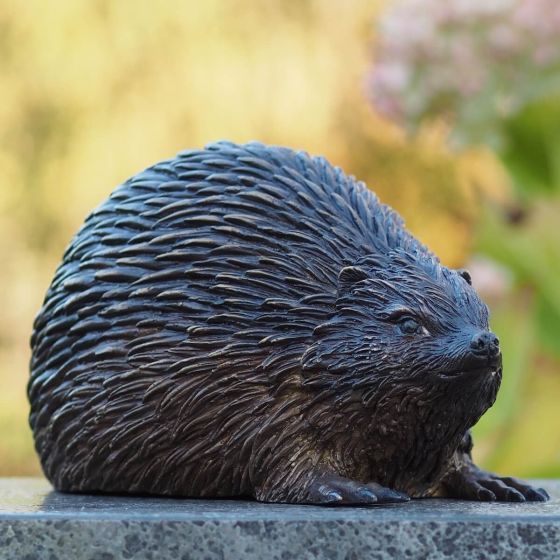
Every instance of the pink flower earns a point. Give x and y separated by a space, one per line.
478 60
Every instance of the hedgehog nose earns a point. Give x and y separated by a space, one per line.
485 344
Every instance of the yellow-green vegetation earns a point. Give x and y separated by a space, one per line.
523 428
92 92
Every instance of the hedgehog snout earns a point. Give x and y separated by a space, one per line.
484 350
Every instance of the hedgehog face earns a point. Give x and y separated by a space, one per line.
404 322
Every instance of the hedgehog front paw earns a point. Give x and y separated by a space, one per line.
337 490
476 484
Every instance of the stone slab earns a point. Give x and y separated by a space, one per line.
36 522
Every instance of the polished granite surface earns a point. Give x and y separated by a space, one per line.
36 522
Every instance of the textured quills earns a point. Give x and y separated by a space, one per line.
247 320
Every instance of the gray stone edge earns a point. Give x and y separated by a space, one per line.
332 539
297 517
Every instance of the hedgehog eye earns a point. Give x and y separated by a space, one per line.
409 325
407 321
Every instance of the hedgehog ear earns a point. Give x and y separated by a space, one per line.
466 275
351 274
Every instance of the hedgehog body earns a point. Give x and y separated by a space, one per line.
246 320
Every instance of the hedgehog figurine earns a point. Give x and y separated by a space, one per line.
249 321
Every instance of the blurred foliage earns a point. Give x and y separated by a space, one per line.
91 92
532 253
532 148
522 429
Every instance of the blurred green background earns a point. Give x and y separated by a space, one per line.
93 91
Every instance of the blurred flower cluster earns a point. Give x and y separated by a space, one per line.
475 61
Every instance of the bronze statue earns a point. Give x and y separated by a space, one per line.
247 320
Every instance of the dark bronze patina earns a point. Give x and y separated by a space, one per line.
249 321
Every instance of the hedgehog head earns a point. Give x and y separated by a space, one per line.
404 320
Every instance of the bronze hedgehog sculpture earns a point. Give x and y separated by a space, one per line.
247 320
